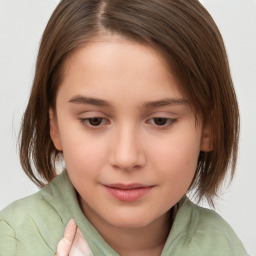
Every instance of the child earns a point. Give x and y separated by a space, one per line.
136 98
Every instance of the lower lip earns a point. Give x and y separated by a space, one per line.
128 195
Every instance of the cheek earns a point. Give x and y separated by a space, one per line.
83 155
178 151
84 161
177 159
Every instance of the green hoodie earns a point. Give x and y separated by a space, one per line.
34 226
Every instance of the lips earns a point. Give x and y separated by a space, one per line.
127 186
128 192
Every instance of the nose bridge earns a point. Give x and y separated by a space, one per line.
127 150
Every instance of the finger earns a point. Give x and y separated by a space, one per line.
70 230
65 243
80 247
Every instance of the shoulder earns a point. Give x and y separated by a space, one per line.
209 233
33 224
21 223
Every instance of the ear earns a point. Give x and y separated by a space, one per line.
54 130
207 139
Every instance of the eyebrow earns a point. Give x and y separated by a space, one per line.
165 102
151 104
88 100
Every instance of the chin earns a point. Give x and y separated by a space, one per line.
131 223
132 220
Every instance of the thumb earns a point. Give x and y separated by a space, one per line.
65 243
80 246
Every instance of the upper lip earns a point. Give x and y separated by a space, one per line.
127 186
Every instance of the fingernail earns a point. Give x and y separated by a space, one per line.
72 222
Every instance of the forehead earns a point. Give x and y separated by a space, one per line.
105 51
107 66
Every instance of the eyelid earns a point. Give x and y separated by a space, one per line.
86 124
86 116
91 114
170 122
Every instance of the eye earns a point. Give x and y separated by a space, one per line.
93 122
161 121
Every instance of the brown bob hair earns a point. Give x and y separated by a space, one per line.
183 32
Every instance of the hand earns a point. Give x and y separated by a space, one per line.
73 242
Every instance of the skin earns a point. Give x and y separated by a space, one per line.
144 132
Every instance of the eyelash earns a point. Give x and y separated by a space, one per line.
87 124
167 122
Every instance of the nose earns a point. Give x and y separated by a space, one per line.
127 150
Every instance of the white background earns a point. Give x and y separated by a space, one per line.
21 26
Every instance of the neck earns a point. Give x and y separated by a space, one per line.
146 240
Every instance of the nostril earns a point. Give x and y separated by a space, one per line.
127 169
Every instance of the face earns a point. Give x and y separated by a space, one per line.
129 138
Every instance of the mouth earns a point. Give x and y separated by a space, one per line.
128 192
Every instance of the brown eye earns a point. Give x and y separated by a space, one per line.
95 121
159 121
